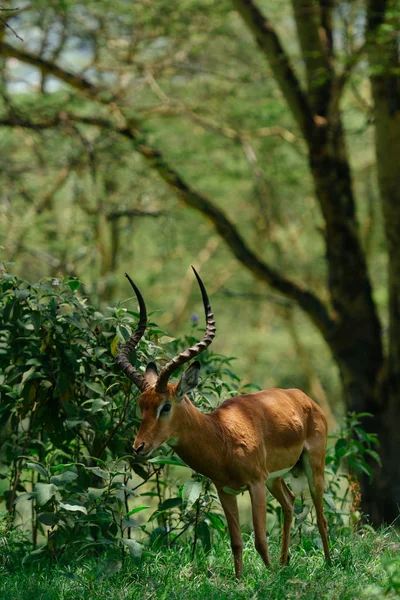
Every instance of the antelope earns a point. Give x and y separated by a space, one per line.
247 442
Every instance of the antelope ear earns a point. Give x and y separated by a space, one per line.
151 373
188 381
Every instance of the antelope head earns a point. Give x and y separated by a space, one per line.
162 404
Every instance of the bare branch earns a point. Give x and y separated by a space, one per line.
339 83
118 214
49 68
256 297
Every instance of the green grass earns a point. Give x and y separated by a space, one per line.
365 565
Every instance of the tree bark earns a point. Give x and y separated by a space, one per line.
355 339
384 66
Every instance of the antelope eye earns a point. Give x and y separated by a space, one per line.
166 408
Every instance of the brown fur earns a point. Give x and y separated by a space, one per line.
239 445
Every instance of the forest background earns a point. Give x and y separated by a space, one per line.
259 142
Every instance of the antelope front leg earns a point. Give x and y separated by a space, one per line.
259 512
229 504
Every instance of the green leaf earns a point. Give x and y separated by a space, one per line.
95 387
97 405
169 503
217 522
22 294
71 423
139 470
123 333
38 468
365 468
73 507
341 447
107 568
127 522
64 478
167 460
114 346
191 492
44 492
136 510
165 339
135 549
48 518
374 455
330 502
73 284
95 493
68 466
26 375
33 554
99 472
164 506
203 532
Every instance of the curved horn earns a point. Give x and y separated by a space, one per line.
122 356
190 353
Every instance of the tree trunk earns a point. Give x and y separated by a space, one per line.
384 65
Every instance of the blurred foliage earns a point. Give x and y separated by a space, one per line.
78 201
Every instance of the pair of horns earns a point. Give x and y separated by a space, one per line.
177 361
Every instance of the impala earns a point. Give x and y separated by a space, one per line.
248 442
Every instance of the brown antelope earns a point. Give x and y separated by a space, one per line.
247 442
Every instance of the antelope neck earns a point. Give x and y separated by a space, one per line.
197 437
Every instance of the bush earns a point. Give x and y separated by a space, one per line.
68 421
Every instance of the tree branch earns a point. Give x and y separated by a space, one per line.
306 299
117 214
48 68
319 70
341 80
270 44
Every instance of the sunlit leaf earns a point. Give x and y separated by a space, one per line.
38 468
128 522
64 478
73 507
44 492
135 549
99 472
191 492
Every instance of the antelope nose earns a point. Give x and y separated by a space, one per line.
139 448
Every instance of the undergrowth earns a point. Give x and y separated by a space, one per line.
366 565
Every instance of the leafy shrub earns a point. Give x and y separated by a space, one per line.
67 424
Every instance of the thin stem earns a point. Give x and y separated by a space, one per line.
196 522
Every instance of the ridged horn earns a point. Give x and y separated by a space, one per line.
122 356
190 353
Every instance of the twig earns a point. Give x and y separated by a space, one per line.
116 427
9 26
118 214
256 297
196 522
